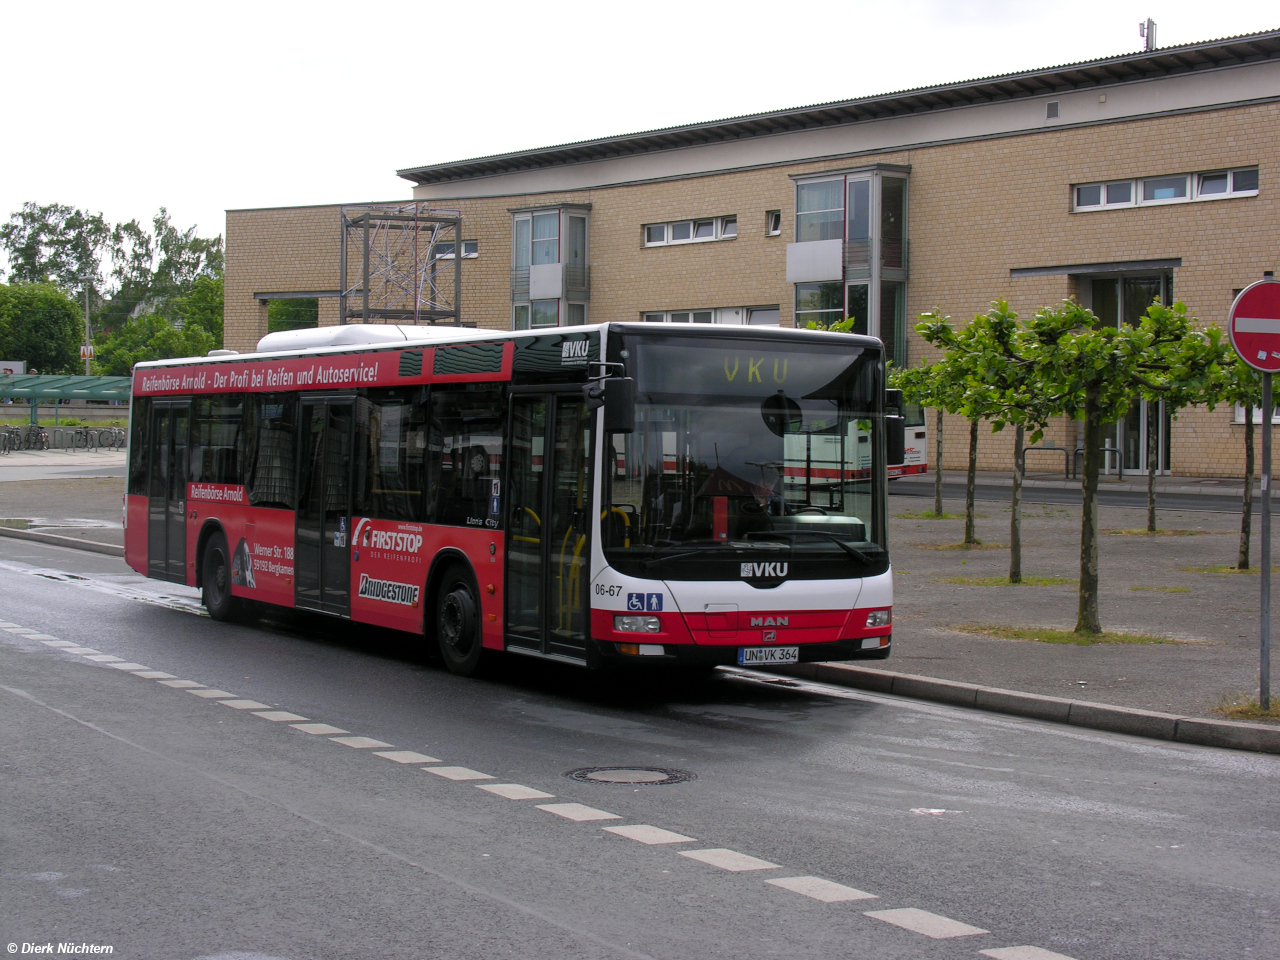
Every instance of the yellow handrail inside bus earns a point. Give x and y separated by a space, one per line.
626 520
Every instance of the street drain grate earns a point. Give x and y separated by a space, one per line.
641 776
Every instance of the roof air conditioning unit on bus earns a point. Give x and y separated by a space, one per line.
354 335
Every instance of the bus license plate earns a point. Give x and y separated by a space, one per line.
751 656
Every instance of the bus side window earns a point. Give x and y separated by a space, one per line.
270 473
464 454
216 445
390 453
138 434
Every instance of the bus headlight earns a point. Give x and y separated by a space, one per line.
879 618
629 624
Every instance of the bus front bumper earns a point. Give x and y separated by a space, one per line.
611 653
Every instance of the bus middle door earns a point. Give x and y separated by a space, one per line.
322 555
548 549
167 501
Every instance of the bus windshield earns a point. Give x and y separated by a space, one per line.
746 453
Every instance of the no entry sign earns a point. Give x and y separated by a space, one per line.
1254 325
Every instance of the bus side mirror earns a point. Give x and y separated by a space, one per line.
895 436
893 401
619 405
618 397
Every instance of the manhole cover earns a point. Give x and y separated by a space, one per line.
639 775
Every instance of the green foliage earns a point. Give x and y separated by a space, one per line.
292 314
149 337
202 307
40 324
54 243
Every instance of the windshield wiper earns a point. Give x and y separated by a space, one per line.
646 564
847 547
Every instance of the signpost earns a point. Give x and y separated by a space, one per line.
1254 329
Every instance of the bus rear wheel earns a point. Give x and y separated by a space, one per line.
458 622
215 582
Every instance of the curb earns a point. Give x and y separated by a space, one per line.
1227 734
75 543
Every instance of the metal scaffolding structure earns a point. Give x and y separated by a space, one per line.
410 264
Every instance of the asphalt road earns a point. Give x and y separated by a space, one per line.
170 825
1109 498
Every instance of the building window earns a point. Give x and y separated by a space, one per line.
577 314
520 317
1210 185
690 231
820 210
470 250
722 315
1164 188
546 238
821 304
544 313
773 223
1051 110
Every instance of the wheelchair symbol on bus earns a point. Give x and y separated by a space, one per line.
650 602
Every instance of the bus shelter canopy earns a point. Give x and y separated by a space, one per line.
53 387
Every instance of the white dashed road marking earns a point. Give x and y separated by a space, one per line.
650 835
317 728
243 704
105 658
5 625
80 651
129 666
577 811
406 756
819 889
458 773
278 715
728 859
922 921
209 694
515 791
153 675
360 743
42 636
58 643
181 684
25 631
1023 953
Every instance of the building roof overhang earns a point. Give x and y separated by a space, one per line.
1147 65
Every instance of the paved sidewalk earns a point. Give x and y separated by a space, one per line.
1131 482
61 465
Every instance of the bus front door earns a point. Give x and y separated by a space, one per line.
167 500
322 558
548 524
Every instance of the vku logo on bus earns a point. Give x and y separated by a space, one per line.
572 351
764 570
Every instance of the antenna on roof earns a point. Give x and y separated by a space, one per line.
1147 30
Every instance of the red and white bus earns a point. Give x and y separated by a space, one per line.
595 495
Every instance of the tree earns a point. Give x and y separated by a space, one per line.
202 307
1242 385
1096 373
991 369
54 243
296 314
40 324
149 337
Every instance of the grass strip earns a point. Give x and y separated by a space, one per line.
1217 570
1004 581
1158 533
1244 706
1164 589
966 546
1053 635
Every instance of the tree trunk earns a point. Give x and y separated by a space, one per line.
1246 509
1153 436
1015 509
937 474
970 535
1087 614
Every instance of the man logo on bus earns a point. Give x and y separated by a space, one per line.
754 570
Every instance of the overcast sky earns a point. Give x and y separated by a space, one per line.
124 107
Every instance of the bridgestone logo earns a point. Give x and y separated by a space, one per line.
764 570
388 590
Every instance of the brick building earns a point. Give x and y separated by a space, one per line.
1114 181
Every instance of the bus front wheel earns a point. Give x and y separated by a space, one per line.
458 622
215 582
